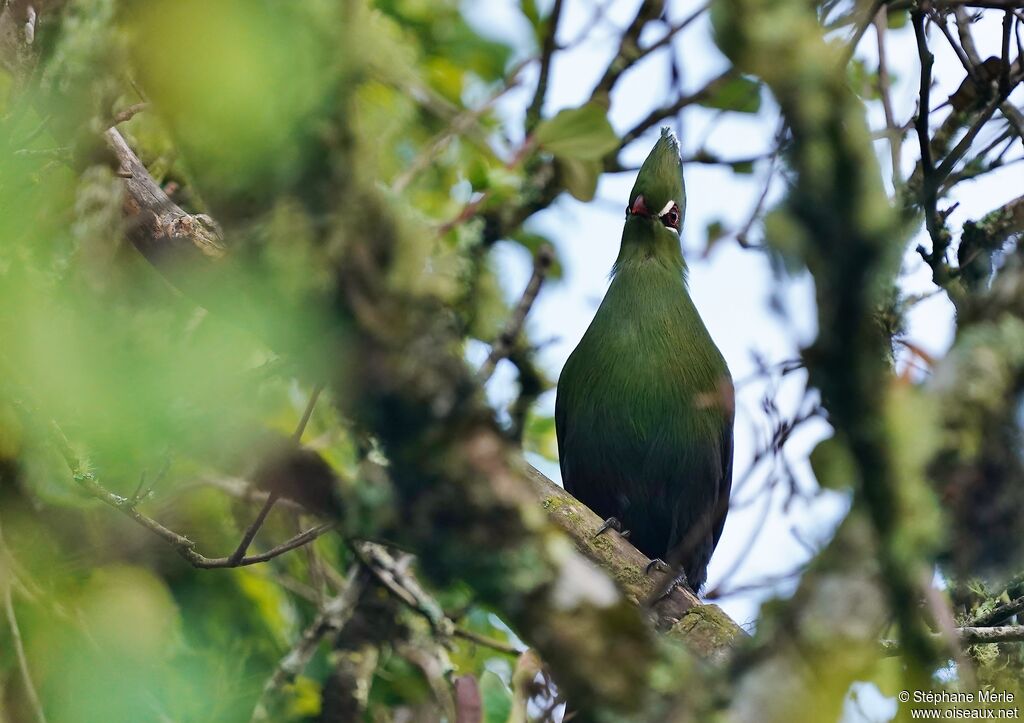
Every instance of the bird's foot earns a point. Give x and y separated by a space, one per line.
676 579
612 523
657 565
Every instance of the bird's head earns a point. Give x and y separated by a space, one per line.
658 200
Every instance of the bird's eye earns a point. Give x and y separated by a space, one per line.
671 218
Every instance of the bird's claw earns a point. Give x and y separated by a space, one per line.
612 523
657 564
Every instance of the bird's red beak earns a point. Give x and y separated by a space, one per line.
639 207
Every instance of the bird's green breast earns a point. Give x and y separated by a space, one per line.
647 358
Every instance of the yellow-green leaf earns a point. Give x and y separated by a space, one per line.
582 134
739 94
580 177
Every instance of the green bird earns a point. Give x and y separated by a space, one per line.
644 408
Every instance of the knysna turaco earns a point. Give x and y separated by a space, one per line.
644 412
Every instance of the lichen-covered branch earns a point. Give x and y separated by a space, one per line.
709 631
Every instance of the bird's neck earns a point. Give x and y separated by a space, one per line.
646 245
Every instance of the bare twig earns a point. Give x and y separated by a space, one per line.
878 6
921 123
250 532
672 31
1004 74
253 528
394 574
181 544
961 54
128 113
533 113
658 115
961 148
963 28
1000 613
19 646
335 614
458 126
937 231
307 413
742 236
893 131
487 642
1000 634
506 340
629 48
157 226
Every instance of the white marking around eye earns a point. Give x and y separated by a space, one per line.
668 207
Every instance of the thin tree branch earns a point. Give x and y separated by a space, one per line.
921 122
394 575
961 54
893 131
506 340
160 229
672 31
858 32
743 235
458 126
487 642
128 113
959 5
970 635
335 614
937 231
250 532
1004 74
658 115
961 148
999 614
253 528
629 51
1000 634
548 49
19 646
963 29
181 544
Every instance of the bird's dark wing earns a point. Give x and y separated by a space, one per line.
561 423
724 484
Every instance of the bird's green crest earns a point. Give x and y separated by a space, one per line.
661 176
654 214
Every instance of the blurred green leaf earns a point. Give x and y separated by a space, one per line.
715 230
580 134
863 80
241 83
539 437
304 698
897 19
532 242
833 465
744 168
580 177
739 94
497 698
532 14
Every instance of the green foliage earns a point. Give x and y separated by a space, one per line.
579 138
155 391
539 437
582 134
497 698
739 94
